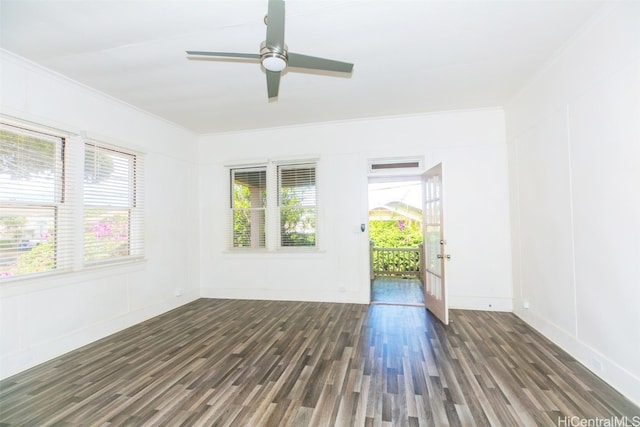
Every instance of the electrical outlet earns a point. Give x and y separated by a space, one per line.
179 292
525 304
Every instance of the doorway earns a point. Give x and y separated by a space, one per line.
396 240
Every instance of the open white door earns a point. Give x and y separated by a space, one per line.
434 242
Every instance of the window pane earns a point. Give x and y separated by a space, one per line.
297 226
249 198
297 186
113 223
28 165
108 177
106 234
249 188
27 240
297 202
248 228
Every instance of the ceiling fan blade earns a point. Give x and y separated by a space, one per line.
275 24
273 83
225 54
314 63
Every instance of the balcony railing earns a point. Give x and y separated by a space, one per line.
396 262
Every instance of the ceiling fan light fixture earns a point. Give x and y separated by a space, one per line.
274 61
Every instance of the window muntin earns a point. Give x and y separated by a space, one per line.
32 168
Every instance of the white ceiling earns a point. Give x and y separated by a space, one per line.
409 56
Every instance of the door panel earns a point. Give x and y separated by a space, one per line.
434 260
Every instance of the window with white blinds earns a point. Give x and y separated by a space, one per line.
113 227
297 204
66 203
34 221
273 206
248 207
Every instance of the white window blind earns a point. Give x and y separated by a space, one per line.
35 203
248 207
297 204
113 204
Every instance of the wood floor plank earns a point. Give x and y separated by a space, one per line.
266 363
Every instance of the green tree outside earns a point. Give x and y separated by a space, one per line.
395 233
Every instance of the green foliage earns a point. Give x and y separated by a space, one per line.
243 214
35 260
297 223
39 259
395 234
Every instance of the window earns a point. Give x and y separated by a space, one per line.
297 205
248 203
112 206
273 206
32 223
55 214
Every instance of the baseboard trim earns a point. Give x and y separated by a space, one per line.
480 303
613 374
284 295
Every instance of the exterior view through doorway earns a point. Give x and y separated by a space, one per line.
396 237
407 245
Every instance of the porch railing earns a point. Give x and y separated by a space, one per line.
396 262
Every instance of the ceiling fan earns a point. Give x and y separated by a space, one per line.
275 57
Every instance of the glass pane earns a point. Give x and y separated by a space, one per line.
108 177
106 234
434 264
297 226
297 186
248 228
249 188
27 240
28 166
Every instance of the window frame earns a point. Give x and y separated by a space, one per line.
289 167
272 209
133 207
257 238
61 261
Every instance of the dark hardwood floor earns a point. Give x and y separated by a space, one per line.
390 290
270 363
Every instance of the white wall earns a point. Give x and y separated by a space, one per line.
43 318
574 147
471 146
